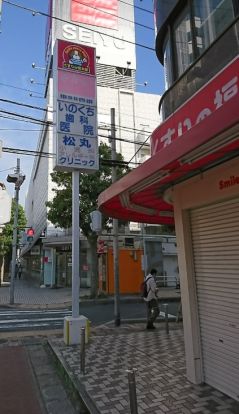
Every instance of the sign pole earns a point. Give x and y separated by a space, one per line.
115 228
76 143
75 244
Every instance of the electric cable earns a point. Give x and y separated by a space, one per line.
27 117
136 7
17 87
42 122
52 155
36 12
22 104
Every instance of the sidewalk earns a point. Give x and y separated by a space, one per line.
26 294
159 359
29 383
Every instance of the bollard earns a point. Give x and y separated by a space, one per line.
132 391
82 351
166 318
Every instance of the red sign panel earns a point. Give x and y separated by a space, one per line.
209 99
76 58
101 13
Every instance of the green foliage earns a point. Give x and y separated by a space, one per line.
7 233
91 185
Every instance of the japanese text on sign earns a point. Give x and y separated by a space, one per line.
75 118
75 151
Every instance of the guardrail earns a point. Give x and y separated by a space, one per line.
168 281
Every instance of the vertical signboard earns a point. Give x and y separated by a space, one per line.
75 107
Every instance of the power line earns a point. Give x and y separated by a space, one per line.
35 12
136 152
42 122
17 87
39 121
122 140
136 7
120 127
11 118
122 113
20 129
52 155
26 105
104 124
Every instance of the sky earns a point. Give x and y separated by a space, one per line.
22 42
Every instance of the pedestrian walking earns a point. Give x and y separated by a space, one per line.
151 299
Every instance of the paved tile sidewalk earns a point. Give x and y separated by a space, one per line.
26 293
161 381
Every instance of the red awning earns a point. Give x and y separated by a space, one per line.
139 196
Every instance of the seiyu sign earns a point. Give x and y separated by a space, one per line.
75 107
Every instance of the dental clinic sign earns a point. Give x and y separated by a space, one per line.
75 107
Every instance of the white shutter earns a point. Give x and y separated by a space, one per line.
215 240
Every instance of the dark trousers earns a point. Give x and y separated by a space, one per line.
152 311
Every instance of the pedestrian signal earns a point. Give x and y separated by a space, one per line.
96 221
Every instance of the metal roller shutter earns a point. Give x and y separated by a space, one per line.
215 241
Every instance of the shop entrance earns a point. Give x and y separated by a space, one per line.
215 242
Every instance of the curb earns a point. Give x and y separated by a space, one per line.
86 302
88 406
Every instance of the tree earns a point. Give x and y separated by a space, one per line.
6 235
91 185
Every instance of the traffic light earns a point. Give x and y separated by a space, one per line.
30 234
96 221
43 234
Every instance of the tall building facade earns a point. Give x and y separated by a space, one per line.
111 30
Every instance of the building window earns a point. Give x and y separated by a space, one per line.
123 71
168 78
183 41
211 18
197 26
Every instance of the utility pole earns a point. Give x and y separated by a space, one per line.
17 179
115 226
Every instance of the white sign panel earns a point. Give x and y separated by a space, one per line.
74 151
77 118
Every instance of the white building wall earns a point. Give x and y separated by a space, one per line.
136 116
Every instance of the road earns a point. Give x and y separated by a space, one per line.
49 319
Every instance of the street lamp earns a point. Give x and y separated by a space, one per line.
36 96
17 178
34 66
36 83
142 84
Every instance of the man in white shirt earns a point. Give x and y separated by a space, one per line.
151 299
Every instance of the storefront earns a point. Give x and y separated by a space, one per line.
192 180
